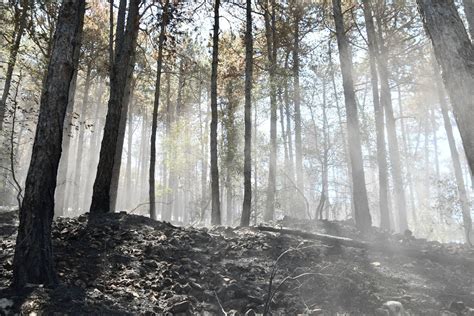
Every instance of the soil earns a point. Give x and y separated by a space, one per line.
129 264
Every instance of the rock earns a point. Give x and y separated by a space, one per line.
457 307
181 307
394 308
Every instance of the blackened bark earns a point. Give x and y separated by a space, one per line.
156 103
101 193
359 195
455 54
33 260
216 205
270 26
247 204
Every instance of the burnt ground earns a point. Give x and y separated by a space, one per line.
129 264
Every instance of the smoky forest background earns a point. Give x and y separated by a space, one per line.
349 123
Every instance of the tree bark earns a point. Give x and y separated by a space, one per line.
379 118
463 195
393 147
101 199
80 142
216 206
469 12
270 25
455 54
156 103
22 20
361 206
247 204
33 260
297 104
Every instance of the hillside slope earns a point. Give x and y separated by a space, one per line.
128 264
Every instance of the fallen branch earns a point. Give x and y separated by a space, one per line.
333 240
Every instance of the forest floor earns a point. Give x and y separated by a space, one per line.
129 264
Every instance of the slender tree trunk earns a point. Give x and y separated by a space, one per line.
216 205
270 26
156 103
22 20
247 204
379 118
469 12
297 102
393 147
101 199
63 179
361 205
93 152
463 195
128 173
407 157
33 261
455 54
80 142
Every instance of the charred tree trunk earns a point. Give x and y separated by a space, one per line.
216 205
33 260
247 204
156 103
455 54
297 103
270 25
101 199
361 206
379 118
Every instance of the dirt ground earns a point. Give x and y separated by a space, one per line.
129 264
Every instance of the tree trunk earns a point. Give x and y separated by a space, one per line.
463 195
80 142
128 173
379 118
247 204
156 103
33 261
62 182
297 102
469 12
361 205
393 147
455 54
22 20
270 26
101 199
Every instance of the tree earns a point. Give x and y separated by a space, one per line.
359 194
393 147
216 205
463 196
454 52
20 21
33 260
379 117
159 66
469 11
270 28
101 198
247 204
